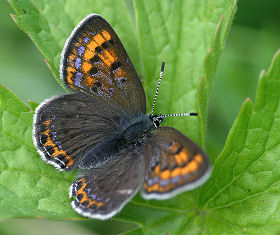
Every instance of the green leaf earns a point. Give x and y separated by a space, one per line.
33 105
179 32
243 193
210 68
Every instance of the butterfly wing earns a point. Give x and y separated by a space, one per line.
174 164
66 127
103 191
95 61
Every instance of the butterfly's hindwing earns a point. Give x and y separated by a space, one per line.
174 164
103 191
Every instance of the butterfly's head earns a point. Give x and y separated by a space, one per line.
156 120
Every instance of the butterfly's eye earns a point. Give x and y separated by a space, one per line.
157 121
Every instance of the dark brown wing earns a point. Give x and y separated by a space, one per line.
103 191
174 164
66 127
95 61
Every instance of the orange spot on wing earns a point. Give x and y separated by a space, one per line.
174 147
73 87
120 73
71 57
99 204
89 81
106 35
178 159
185 170
81 190
86 66
80 40
50 142
57 152
92 45
108 57
157 170
176 172
70 72
99 39
184 155
165 175
193 165
181 158
47 122
70 162
88 54
155 187
85 197
190 167
198 158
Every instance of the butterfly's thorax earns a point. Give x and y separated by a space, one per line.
138 127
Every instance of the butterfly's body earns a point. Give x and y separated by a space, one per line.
102 129
132 132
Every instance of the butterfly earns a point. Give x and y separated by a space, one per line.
102 129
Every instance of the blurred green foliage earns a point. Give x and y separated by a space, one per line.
21 63
251 43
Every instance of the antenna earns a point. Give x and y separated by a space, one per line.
160 76
179 114
167 115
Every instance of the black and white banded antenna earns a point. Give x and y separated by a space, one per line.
167 115
178 114
160 77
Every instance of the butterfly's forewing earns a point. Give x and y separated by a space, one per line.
174 164
94 61
103 191
66 127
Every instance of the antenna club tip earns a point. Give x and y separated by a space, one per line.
162 66
194 114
